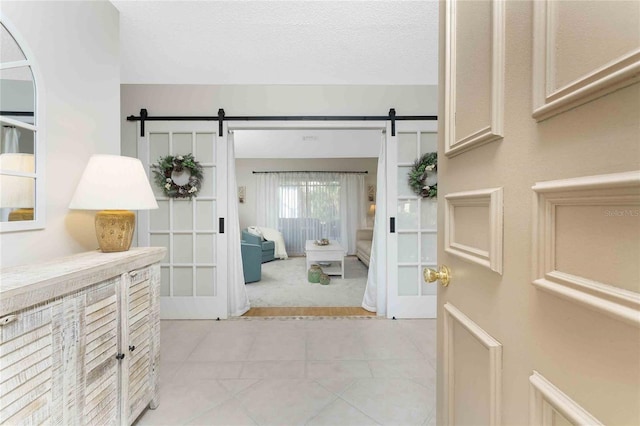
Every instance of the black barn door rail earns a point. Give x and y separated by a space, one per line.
221 118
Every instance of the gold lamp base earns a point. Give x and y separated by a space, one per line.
114 229
21 214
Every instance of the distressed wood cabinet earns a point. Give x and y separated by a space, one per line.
80 339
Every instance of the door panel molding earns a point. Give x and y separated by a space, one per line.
546 398
492 198
549 100
494 348
593 191
493 131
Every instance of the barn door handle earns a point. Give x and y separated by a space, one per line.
392 225
221 225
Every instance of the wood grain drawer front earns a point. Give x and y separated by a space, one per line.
139 345
27 352
101 347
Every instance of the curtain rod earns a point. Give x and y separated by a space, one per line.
309 171
221 117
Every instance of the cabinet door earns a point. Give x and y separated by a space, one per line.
30 362
100 324
141 325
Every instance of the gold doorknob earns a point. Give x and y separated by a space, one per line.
443 275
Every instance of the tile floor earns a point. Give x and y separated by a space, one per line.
340 371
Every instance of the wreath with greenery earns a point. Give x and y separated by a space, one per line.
165 168
426 164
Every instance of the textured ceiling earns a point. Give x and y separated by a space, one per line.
279 42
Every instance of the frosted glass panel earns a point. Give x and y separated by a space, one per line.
158 146
407 248
429 248
404 190
160 217
209 183
429 213
164 281
205 147
182 281
429 289
407 281
182 215
182 144
407 214
205 248
205 282
428 143
182 248
407 147
161 240
205 215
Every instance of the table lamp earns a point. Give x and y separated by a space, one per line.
17 191
114 185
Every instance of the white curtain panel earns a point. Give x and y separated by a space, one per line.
352 209
267 200
238 300
374 299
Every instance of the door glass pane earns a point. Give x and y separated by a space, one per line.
205 282
182 144
407 280
164 281
407 147
160 217
182 248
182 215
404 190
205 147
209 182
182 281
428 143
429 289
158 146
429 248
14 140
205 248
429 213
205 215
407 248
407 214
161 240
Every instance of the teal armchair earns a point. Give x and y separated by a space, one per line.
251 262
267 247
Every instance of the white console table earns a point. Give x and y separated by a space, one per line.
80 338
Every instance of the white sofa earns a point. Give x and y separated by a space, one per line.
364 238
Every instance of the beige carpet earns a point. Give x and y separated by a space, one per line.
284 283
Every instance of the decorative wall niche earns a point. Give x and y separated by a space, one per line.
474 74
569 71
473 227
581 225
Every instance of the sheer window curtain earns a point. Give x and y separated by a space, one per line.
238 300
374 299
310 206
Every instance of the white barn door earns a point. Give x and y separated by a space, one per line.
412 245
194 270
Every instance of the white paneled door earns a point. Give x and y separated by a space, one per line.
540 213
412 223
194 270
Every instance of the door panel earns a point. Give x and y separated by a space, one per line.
413 244
552 274
194 270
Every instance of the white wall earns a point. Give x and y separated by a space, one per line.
245 176
75 46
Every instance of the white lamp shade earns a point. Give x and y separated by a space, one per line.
17 191
112 182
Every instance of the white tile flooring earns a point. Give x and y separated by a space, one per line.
338 372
